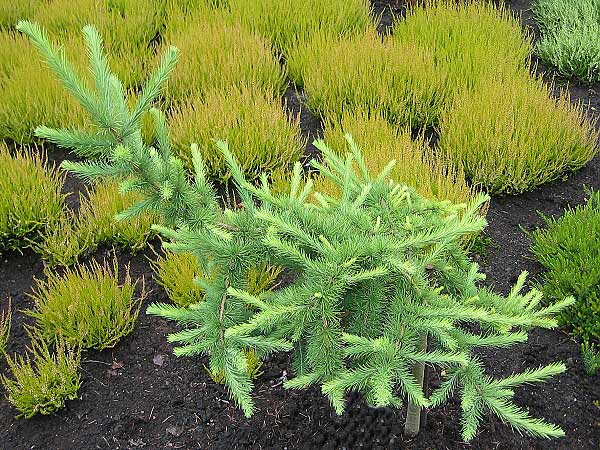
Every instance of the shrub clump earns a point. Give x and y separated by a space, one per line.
96 224
570 36
568 248
43 380
290 23
381 284
471 41
216 54
31 201
262 137
86 306
28 96
177 274
5 323
512 136
398 81
416 165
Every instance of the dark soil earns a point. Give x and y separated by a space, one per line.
157 401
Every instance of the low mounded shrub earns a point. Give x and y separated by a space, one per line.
5 323
217 53
31 201
129 27
292 22
590 356
470 40
13 11
570 36
512 136
569 248
86 306
416 165
28 97
381 284
259 132
398 81
176 273
182 277
42 380
95 224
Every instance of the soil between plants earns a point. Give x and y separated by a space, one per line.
150 399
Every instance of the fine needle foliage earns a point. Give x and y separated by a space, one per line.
570 36
374 272
568 248
42 380
86 306
31 201
513 136
590 355
5 323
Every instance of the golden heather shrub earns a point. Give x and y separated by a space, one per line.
217 53
364 72
11 11
31 201
258 132
416 166
513 136
469 39
29 95
289 23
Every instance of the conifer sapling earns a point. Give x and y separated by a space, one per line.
380 282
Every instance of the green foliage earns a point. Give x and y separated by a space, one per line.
568 248
31 201
290 23
5 323
512 136
264 139
416 165
181 276
86 306
570 36
42 380
374 269
396 80
13 11
28 96
176 273
95 224
591 358
470 40
217 53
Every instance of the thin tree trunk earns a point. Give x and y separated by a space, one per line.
413 413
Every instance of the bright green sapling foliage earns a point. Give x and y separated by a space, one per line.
376 272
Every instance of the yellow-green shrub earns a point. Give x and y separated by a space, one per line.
292 22
512 136
5 323
86 306
29 96
176 272
42 380
14 10
470 40
362 72
217 53
259 133
95 224
31 201
416 165
129 28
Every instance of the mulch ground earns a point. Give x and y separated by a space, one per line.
139 396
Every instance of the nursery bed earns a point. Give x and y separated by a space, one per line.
139 396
